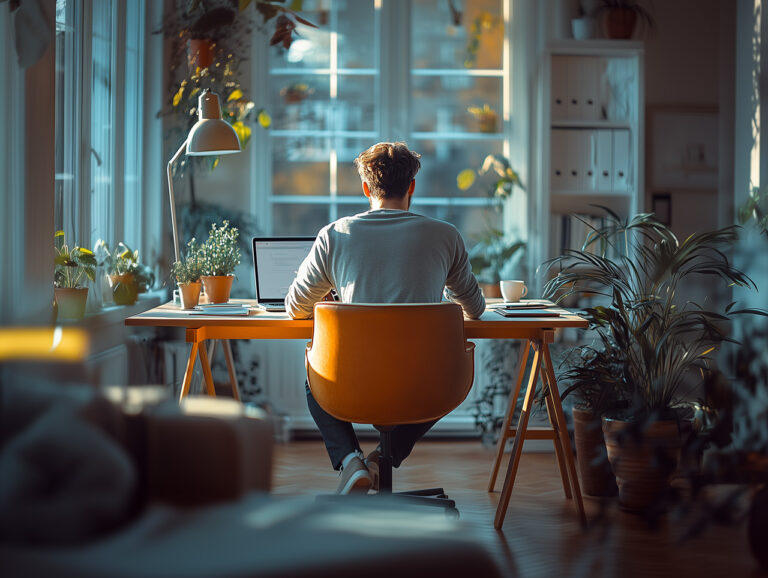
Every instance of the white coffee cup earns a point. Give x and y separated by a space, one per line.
513 290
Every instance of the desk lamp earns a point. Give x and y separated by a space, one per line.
209 136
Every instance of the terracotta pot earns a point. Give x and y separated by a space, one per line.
490 290
619 23
643 459
217 287
71 302
199 53
597 478
488 123
190 294
125 291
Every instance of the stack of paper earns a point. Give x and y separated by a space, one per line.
230 308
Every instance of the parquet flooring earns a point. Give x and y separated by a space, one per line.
541 535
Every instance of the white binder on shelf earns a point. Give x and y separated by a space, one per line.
602 141
578 159
621 160
559 159
559 89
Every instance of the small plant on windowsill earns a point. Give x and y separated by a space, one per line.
487 119
220 255
127 275
72 267
187 273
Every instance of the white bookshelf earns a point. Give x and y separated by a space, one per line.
589 129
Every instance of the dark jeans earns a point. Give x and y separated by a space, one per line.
340 439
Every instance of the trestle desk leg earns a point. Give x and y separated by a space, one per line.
231 369
506 427
517 447
207 372
190 369
563 432
556 427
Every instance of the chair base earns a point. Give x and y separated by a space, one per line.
434 497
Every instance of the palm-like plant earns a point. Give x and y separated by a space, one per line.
652 343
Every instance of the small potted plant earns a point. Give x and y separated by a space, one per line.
72 267
220 255
296 92
127 275
620 17
487 118
186 273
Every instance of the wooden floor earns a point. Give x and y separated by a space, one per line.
541 534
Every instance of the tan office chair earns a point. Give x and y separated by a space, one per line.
389 365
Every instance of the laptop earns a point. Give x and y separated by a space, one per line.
276 261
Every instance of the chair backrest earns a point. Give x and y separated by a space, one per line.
389 364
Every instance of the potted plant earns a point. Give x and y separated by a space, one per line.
487 118
186 273
620 17
663 345
296 92
72 266
220 255
127 275
491 257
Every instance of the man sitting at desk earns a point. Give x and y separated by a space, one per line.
385 255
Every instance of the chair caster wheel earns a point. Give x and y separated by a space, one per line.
452 513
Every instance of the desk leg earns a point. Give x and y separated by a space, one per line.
207 372
563 432
517 447
231 369
504 434
556 427
190 366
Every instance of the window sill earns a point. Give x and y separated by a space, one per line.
117 314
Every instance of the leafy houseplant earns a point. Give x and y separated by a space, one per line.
187 273
72 266
127 275
487 118
657 348
220 254
620 17
491 255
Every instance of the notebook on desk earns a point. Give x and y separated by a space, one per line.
276 261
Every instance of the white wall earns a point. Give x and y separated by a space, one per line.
683 68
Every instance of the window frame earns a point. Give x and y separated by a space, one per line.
393 120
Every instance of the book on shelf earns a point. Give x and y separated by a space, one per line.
570 232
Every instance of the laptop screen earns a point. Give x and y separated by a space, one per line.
276 261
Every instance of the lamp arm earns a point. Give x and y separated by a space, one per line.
174 158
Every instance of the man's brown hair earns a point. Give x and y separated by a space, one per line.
388 168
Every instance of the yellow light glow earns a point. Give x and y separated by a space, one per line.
43 344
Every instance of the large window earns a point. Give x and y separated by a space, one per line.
99 110
430 72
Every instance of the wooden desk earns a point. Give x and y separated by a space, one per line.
537 332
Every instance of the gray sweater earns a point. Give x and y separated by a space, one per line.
386 256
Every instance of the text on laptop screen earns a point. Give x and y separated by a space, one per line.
277 262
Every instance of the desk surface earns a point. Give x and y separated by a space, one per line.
279 326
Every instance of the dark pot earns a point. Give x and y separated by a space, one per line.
758 527
597 478
643 458
619 23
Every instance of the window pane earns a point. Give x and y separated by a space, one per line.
357 34
311 47
299 219
471 37
301 102
356 103
442 103
300 166
65 211
348 177
346 210
472 222
443 160
134 86
102 206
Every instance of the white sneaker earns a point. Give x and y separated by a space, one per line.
355 478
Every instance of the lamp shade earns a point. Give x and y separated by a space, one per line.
211 135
